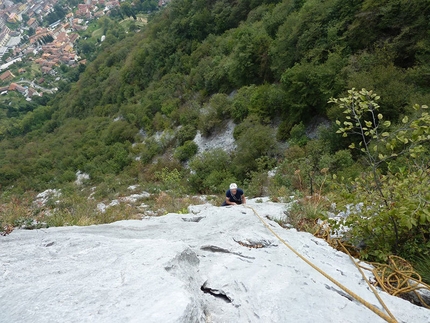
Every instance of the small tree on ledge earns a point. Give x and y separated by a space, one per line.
394 217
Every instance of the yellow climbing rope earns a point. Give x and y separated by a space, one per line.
389 318
396 278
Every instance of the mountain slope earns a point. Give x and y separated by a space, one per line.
280 60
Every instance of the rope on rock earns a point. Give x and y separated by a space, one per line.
389 318
396 278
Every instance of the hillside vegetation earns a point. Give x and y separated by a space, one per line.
272 67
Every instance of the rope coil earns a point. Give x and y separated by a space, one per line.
396 278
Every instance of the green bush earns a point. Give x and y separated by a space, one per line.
214 114
185 133
171 180
217 181
258 184
186 151
250 122
394 216
120 131
209 122
267 101
187 114
298 135
255 142
211 172
148 150
241 103
67 176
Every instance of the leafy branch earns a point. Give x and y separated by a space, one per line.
402 195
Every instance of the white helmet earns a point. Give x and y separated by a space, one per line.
233 186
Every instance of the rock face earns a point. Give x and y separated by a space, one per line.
211 265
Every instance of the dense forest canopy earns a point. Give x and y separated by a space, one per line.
282 59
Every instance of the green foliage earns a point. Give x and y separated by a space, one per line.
187 114
186 133
240 106
171 180
57 14
120 131
309 85
309 31
264 102
298 135
254 143
250 56
214 114
378 72
393 216
305 169
259 181
148 150
331 139
186 151
382 24
422 266
211 172
197 64
402 227
267 101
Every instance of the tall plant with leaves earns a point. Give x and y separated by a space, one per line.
393 196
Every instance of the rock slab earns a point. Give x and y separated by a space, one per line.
212 265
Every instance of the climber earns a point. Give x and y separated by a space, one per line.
234 196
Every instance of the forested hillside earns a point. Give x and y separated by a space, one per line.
282 60
271 67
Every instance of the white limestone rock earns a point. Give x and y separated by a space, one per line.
225 267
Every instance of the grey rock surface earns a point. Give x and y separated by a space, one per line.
212 265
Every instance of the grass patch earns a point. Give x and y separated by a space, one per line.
422 266
97 34
142 20
166 202
304 214
35 70
73 209
87 214
79 207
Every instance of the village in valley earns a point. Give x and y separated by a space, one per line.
26 36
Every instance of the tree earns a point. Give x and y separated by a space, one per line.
393 216
25 18
127 10
250 56
211 171
186 151
255 142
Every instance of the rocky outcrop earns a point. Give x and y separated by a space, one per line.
211 265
